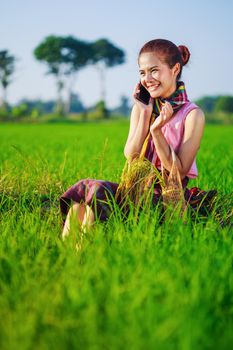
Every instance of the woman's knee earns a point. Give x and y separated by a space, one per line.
77 210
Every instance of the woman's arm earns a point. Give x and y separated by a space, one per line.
194 125
139 126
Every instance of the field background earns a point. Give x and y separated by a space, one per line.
140 286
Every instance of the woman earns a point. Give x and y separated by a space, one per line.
179 125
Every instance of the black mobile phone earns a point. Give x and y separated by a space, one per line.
143 95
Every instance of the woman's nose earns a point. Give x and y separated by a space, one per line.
148 77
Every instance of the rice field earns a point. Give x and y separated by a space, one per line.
136 285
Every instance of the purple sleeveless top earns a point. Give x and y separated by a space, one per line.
173 132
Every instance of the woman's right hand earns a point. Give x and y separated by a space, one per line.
144 109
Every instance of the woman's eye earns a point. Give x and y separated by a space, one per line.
154 70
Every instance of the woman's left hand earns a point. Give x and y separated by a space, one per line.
165 115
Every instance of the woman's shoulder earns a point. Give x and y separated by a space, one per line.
191 109
195 120
189 106
194 112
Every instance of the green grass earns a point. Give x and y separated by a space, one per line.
132 286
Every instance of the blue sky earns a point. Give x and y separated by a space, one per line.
205 27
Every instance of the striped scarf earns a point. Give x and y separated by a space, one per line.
177 99
139 172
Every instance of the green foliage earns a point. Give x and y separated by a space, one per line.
77 53
219 118
218 109
97 112
224 104
216 104
36 113
207 103
7 68
93 116
49 51
102 110
63 56
21 110
4 112
104 51
138 285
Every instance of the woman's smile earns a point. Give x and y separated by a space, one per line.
153 87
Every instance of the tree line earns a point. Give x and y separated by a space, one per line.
64 57
218 109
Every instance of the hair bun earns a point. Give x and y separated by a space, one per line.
185 54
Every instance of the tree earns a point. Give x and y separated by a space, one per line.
7 68
50 52
77 55
105 55
64 56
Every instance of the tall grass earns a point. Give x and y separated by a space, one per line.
135 285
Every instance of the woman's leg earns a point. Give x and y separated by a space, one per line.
88 219
76 213
81 215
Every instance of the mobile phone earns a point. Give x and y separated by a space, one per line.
143 95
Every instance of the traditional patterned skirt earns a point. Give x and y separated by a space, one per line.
100 194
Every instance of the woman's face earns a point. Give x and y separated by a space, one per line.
156 76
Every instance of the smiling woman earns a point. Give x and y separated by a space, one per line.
168 126
160 65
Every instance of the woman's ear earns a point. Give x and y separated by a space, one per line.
176 69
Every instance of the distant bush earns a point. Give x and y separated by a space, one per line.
224 104
218 109
4 113
207 103
210 104
95 115
22 110
101 109
36 113
219 118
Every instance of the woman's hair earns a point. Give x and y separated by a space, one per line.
168 52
